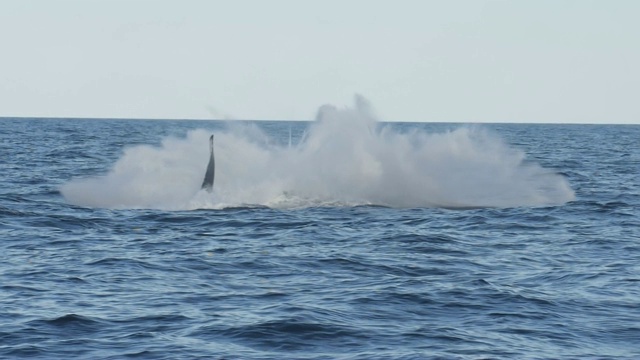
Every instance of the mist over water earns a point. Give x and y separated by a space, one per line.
345 158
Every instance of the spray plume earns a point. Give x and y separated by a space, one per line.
345 158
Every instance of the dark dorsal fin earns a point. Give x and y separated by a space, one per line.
209 176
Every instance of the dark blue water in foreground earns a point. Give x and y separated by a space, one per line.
317 282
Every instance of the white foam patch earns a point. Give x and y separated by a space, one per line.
345 159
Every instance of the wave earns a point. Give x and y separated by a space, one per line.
345 158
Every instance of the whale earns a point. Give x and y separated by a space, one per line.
210 174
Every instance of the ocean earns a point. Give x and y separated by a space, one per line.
340 238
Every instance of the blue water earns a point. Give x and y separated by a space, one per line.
340 239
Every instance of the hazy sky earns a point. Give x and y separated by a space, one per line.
415 60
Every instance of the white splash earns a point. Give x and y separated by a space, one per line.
345 159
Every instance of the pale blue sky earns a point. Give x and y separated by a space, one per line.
415 60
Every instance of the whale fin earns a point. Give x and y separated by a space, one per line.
209 176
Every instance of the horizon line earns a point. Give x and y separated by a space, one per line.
310 120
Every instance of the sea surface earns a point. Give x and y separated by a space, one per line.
342 238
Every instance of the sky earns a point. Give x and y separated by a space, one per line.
551 61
